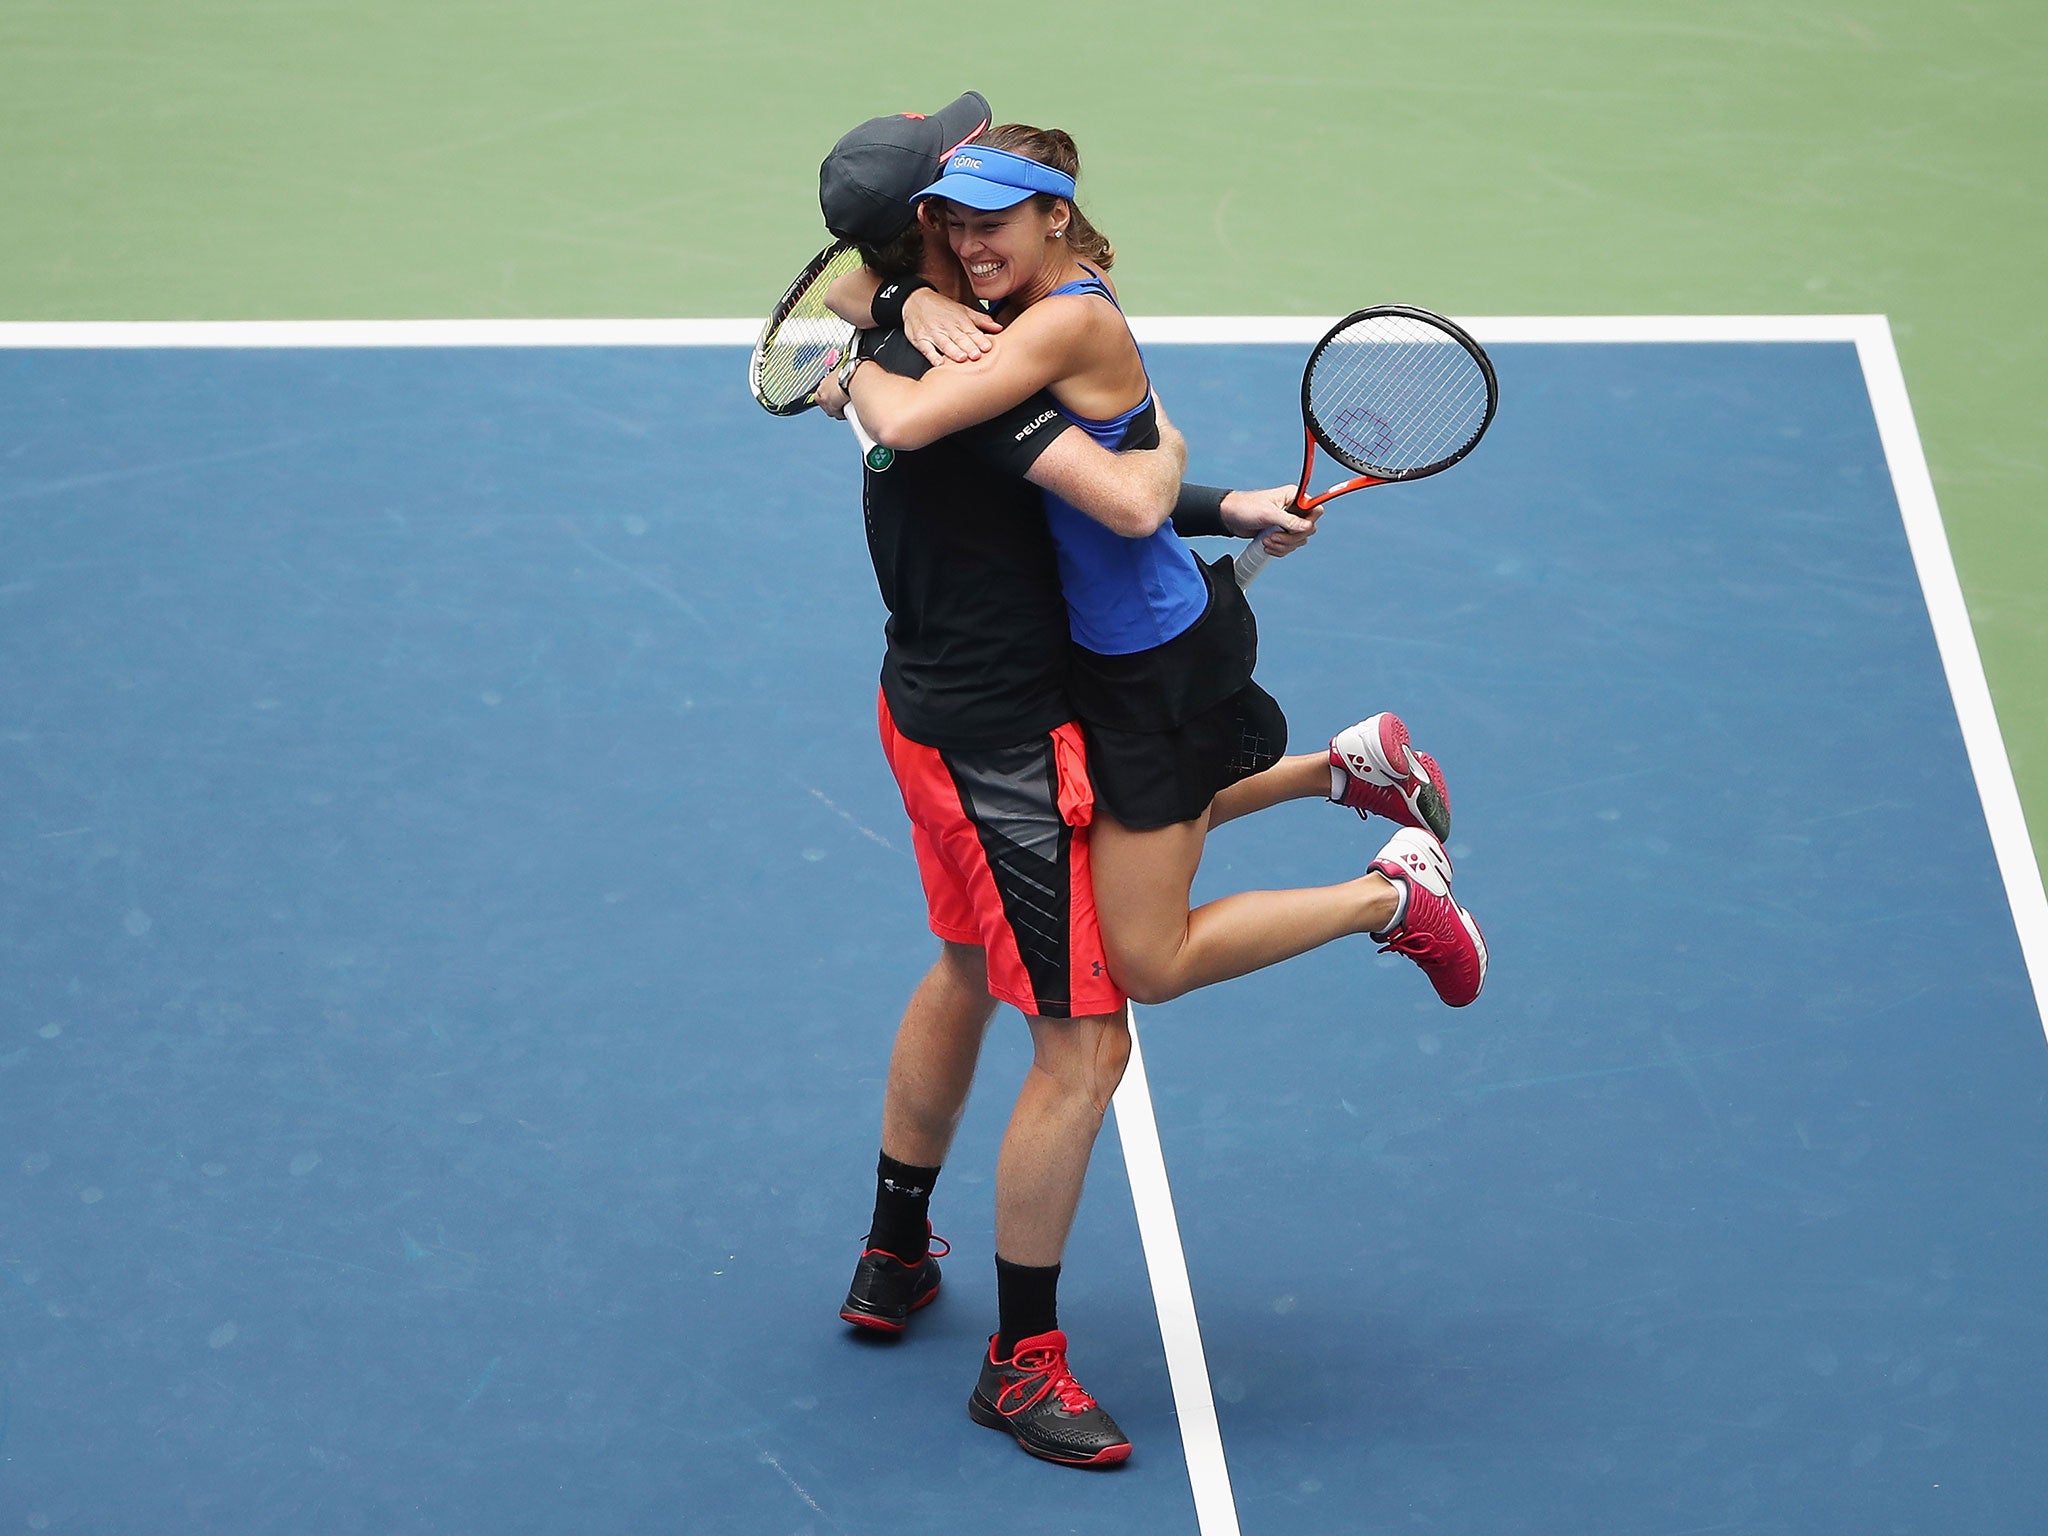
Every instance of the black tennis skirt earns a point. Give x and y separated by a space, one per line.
1170 727
1149 779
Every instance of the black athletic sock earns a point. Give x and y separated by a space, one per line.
903 1201
1027 1303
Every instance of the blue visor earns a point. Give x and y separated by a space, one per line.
989 179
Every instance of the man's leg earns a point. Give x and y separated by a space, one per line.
1026 1388
931 1071
1076 1065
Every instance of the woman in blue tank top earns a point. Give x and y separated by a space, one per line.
1179 736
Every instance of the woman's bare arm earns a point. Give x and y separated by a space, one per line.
1054 343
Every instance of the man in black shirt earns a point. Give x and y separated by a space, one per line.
979 733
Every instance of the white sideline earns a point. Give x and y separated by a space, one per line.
1137 1126
1173 1298
1957 642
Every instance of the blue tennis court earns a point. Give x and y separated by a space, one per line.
455 913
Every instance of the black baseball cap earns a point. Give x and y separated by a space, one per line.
866 183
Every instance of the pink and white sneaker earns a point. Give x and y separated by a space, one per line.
1375 772
1434 931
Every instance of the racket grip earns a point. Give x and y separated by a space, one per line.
1250 560
872 453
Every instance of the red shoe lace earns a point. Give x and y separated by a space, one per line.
936 1248
1407 942
1045 1371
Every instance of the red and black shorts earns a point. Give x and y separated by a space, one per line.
1002 848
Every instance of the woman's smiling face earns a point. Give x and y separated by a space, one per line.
1004 250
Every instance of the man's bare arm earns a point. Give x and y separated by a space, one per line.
1132 493
1128 493
852 296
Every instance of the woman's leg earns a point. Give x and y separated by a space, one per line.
1302 777
1159 949
1376 772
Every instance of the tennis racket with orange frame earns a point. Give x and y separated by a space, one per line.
1391 393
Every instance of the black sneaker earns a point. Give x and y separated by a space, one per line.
1034 1397
886 1290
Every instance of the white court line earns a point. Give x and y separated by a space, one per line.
1306 330
1204 329
378 333
1165 1259
1957 642
1173 1297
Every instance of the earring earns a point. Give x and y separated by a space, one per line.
1059 234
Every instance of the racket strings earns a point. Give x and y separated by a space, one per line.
803 340
1397 412
1393 395
1399 419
